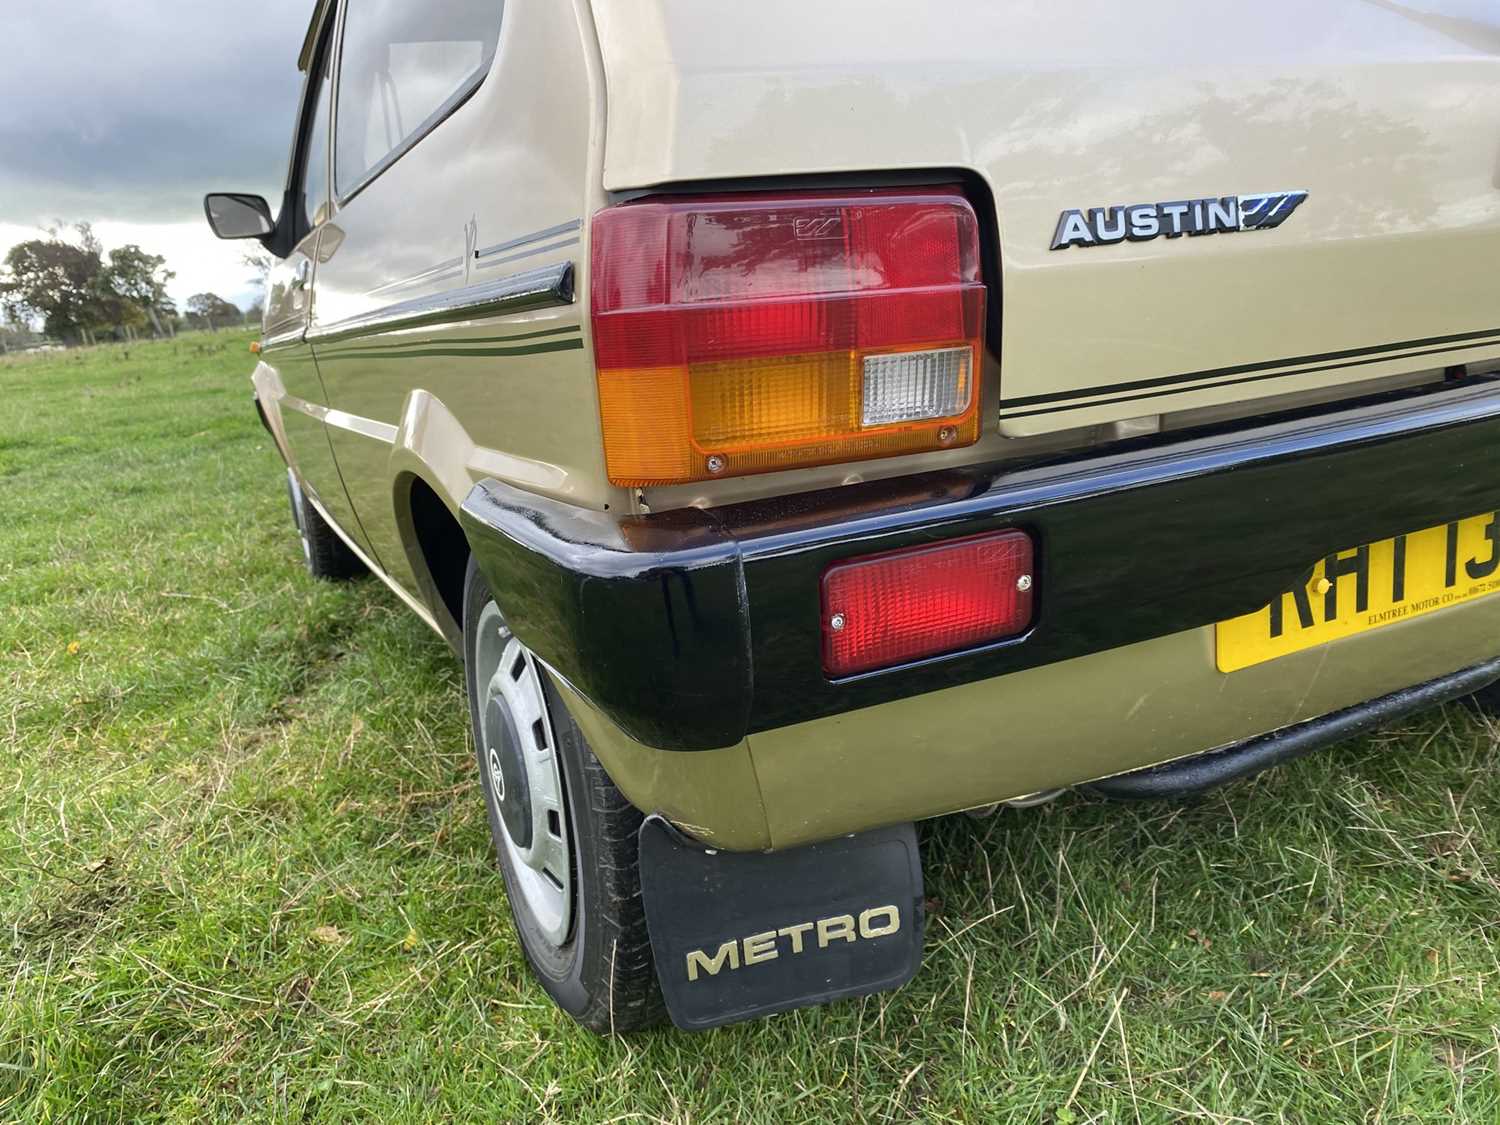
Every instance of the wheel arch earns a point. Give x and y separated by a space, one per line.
434 462
436 549
429 479
269 391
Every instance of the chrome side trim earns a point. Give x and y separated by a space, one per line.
281 339
302 406
536 236
366 427
518 292
527 253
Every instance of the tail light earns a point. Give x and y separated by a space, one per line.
745 334
901 606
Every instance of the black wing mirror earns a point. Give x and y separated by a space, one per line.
239 216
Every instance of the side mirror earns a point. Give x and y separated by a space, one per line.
238 216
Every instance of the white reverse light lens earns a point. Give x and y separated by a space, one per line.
914 386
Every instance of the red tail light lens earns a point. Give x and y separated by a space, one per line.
744 334
900 606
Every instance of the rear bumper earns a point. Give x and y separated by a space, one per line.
694 628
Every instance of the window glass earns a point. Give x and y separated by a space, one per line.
402 65
315 155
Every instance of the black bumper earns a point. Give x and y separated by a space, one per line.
692 628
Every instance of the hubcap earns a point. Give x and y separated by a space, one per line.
505 760
519 758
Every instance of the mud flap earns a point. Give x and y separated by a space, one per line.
738 935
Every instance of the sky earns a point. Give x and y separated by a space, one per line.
124 115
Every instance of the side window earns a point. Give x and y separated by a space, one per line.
404 66
315 149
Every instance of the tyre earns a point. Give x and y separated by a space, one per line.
327 556
565 837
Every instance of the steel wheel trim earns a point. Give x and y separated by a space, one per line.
509 682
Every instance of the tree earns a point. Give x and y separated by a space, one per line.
140 278
212 310
59 282
86 237
17 334
68 285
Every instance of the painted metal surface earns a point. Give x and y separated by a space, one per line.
1383 111
456 287
290 386
1080 720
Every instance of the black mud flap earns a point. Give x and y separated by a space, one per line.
738 935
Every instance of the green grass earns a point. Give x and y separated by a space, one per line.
245 872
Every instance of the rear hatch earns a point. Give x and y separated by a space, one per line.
1385 114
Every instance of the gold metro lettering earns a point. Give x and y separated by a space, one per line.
877 922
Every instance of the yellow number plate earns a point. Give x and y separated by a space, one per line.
1368 587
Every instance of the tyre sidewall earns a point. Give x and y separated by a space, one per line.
325 554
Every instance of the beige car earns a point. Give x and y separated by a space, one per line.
807 419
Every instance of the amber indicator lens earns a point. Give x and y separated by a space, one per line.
900 606
744 334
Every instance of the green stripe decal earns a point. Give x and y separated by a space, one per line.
371 347
566 328
393 353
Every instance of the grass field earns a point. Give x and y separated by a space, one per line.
245 871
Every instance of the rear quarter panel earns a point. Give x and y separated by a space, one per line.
506 396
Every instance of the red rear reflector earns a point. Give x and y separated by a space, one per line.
900 606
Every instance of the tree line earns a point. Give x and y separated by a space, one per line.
82 294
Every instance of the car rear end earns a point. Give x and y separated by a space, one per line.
1041 396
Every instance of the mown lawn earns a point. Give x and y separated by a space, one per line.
245 872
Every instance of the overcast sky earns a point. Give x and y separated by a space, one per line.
124 114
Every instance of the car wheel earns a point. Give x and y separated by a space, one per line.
565 837
327 556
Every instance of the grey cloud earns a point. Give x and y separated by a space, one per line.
133 111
